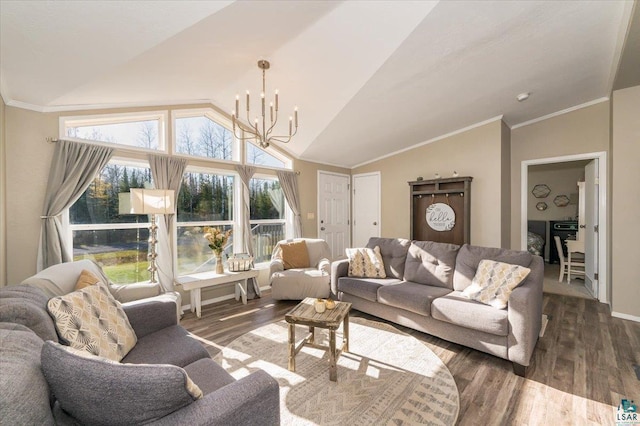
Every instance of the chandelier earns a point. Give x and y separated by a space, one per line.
262 128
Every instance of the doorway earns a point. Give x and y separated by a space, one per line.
366 207
595 209
334 200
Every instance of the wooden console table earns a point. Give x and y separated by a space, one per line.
194 283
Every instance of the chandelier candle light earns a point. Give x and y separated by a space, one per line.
262 135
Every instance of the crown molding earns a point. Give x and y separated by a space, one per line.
83 107
561 112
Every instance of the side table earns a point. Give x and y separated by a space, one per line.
196 282
305 314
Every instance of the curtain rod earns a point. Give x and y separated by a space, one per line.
54 140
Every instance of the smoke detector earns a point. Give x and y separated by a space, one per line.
523 96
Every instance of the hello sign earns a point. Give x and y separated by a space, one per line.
440 217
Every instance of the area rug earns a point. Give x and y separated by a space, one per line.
388 377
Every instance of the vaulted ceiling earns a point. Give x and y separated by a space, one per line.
369 77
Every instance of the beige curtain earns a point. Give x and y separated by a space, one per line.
167 174
246 173
73 167
289 185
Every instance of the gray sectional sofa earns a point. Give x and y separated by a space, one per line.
42 384
423 291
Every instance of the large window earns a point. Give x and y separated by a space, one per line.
117 241
209 196
259 157
205 199
268 211
199 135
144 131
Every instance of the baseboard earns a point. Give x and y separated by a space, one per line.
625 316
543 327
217 299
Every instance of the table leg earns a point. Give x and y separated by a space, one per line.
244 291
192 296
568 267
198 297
333 367
345 337
292 347
312 338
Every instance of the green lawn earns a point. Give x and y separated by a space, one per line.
122 267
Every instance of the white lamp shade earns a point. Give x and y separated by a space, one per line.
152 201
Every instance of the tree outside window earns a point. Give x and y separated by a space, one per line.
205 199
116 241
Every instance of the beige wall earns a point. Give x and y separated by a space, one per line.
28 158
505 186
475 152
577 132
3 201
562 179
625 199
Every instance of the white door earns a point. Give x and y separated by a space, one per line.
590 230
366 207
333 211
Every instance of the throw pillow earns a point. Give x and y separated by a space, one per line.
95 390
92 320
86 279
295 255
366 263
494 282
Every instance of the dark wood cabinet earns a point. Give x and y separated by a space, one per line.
454 193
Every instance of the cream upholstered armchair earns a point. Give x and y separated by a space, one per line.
300 267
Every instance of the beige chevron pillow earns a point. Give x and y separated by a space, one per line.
494 282
92 320
366 263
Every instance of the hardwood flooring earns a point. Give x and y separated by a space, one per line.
582 367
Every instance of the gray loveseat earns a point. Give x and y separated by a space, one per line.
38 386
423 291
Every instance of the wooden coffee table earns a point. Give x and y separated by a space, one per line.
305 314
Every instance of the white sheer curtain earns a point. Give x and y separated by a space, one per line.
73 167
167 174
246 173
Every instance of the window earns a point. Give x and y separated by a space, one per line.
267 205
199 135
205 199
259 157
131 130
118 242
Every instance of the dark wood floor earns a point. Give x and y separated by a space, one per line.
582 367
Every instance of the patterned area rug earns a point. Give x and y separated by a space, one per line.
388 377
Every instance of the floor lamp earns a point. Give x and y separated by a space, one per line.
152 202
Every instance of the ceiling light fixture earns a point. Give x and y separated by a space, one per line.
523 96
262 136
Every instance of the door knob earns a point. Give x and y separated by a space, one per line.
375 223
322 229
583 226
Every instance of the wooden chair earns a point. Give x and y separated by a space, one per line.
568 266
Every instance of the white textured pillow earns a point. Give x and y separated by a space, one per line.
366 263
494 282
92 320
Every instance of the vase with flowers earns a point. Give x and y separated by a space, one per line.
217 241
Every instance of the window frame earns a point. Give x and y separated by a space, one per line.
70 227
288 161
287 221
216 117
118 118
236 223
